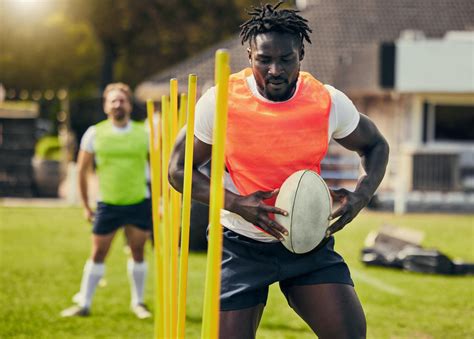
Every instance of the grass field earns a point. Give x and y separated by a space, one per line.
42 252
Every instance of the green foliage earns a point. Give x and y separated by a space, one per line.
48 148
42 48
73 43
38 279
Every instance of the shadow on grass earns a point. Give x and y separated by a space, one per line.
192 319
271 326
282 327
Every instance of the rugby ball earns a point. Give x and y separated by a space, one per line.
306 198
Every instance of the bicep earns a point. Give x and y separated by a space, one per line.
363 138
201 151
85 160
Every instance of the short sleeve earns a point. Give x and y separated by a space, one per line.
346 115
204 116
87 141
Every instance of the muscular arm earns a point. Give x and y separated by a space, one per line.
373 149
202 154
250 207
84 164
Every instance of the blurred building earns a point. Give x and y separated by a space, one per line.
17 146
409 66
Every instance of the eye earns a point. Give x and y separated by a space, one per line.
263 60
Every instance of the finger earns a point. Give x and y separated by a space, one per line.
269 194
274 210
338 225
338 194
338 212
275 225
273 232
267 225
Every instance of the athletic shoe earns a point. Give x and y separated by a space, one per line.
141 311
75 311
77 298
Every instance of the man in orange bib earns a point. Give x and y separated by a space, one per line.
280 120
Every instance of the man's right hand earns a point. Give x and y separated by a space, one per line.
89 214
252 208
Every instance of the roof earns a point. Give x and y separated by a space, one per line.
342 30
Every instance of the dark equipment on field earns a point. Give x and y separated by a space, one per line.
400 248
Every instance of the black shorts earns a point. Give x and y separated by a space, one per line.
249 267
109 218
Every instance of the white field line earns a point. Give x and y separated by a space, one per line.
376 283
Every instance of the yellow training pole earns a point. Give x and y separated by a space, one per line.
175 213
186 209
183 99
165 123
210 327
155 169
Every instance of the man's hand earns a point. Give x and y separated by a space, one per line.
351 204
89 214
252 208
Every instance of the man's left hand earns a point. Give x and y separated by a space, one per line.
351 204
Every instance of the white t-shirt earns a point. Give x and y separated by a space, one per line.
88 140
343 120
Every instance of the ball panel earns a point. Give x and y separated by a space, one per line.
286 200
310 213
305 196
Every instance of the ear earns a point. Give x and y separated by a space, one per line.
249 53
302 53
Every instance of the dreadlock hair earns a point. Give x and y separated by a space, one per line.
268 19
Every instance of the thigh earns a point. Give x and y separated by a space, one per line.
136 238
331 310
100 246
246 272
240 324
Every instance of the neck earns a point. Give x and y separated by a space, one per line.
119 123
283 98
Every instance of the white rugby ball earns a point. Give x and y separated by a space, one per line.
306 198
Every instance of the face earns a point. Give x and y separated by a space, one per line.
117 105
275 59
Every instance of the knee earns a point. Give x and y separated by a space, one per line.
137 253
98 255
358 330
350 329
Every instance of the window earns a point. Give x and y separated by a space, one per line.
451 123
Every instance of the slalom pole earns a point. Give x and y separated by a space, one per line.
175 214
165 124
155 169
210 327
186 205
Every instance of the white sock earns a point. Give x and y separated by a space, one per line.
137 275
90 278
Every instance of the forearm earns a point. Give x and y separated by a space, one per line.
83 184
374 162
200 186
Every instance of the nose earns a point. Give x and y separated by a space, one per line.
275 69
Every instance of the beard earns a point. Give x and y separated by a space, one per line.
119 114
280 94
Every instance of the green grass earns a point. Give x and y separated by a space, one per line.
42 252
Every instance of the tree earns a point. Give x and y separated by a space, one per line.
139 37
85 44
44 49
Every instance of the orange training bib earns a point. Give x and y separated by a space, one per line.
268 141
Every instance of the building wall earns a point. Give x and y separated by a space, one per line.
400 118
392 115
